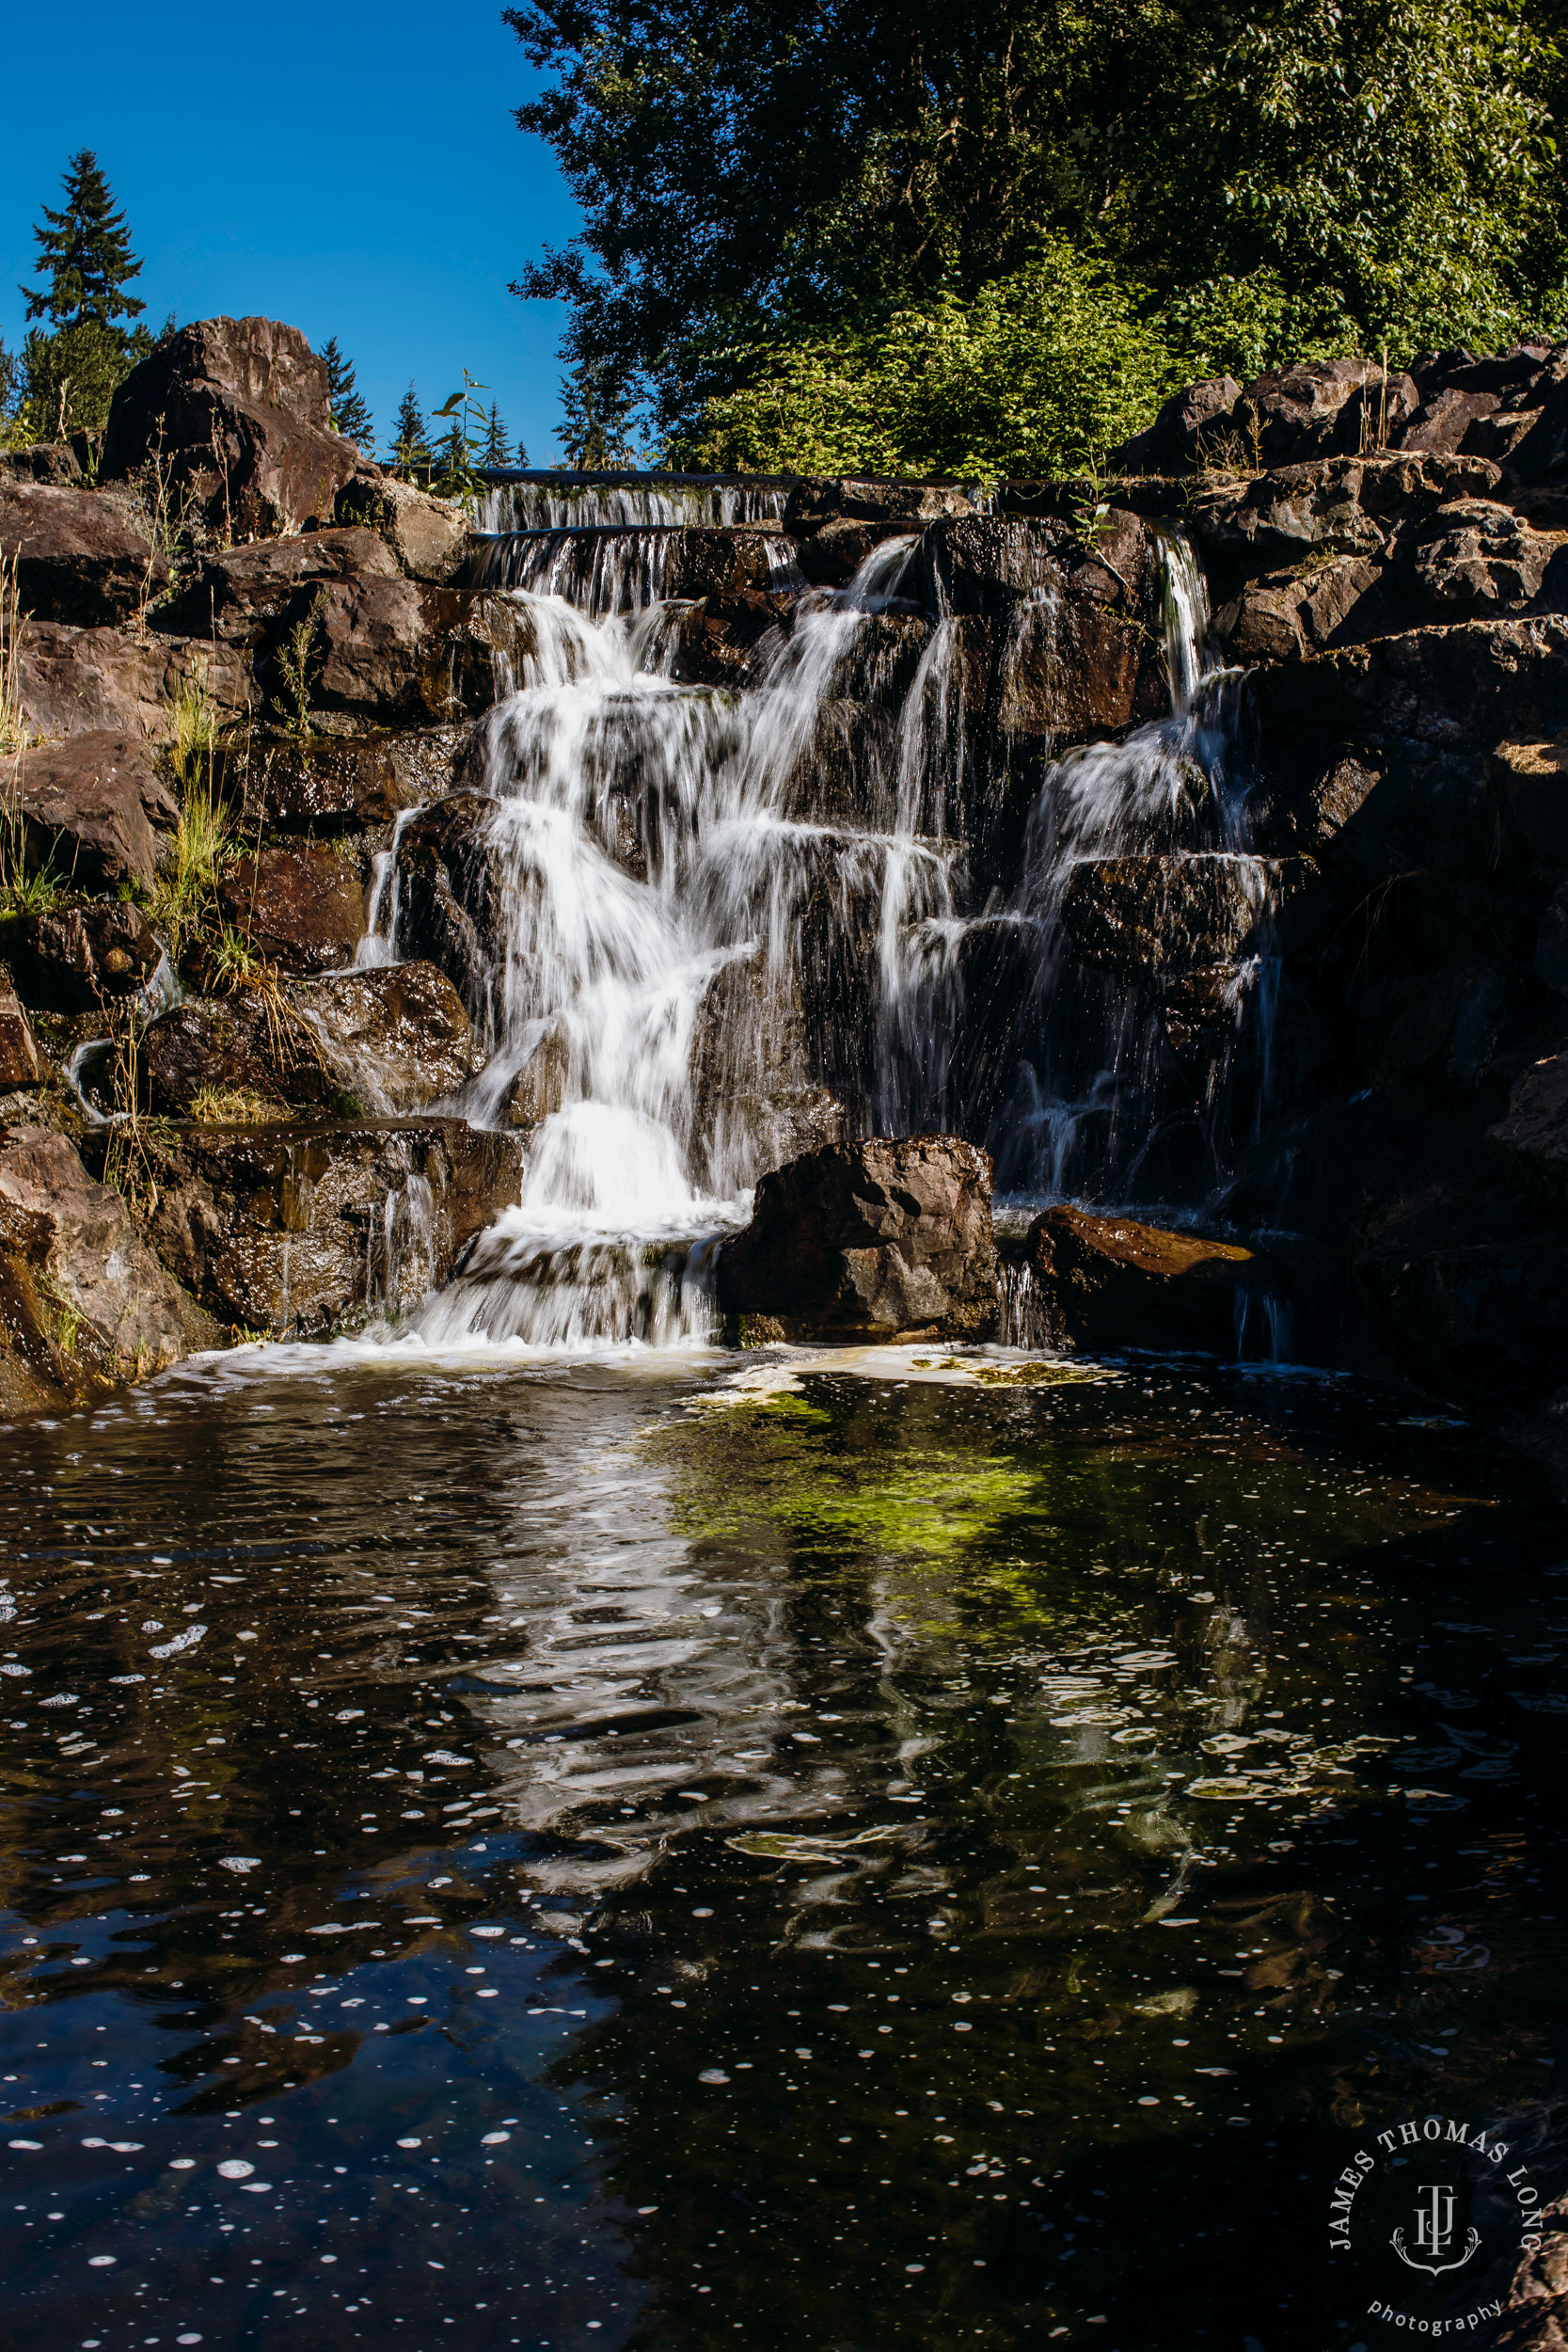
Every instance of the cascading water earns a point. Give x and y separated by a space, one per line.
711 929
629 502
685 928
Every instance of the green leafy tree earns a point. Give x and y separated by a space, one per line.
411 437
1299 175
349 416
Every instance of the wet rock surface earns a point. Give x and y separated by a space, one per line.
89 805
1113 1282
303 907
293 1230
867 1240
71 958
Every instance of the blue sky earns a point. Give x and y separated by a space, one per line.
354 170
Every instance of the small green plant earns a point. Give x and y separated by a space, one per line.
457 474
186 893
237 964
13 724
295 655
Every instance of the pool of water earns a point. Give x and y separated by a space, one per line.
844 1853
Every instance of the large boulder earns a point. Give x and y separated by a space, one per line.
80 555
396 1037
84 1303
349 783
1193 428
241 594
429 537
1112 1282
83 681
235 412
1290 414
75 956
868 1239
1531 782
89 805
448 892
1534 1132
295 1232
1287 616
1175 914
19 1053
303 909
391 653
1477 555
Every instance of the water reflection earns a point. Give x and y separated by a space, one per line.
641 1853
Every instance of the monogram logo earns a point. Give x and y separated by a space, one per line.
1434 2232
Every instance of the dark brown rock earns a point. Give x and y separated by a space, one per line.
19 1053
708 561
1174 913
830 556
71 958
1550 959
1532 782
235 1057
1290 414
84 1303
77 682
449 887
41 461
429 537
867 1240
1439 1028
820 499
1287 616
396 1037
241 595
80 557
1442 422
351 782
391 653
1110 1283
303 909
721 637
1193 428
1470 683
1470 1305
298 1232
1535 1130
1475 555
236 409
88 806
1541 455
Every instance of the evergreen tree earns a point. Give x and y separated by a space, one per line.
411 440
493 450
522 456
349 416
86 251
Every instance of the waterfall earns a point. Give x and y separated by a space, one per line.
629 501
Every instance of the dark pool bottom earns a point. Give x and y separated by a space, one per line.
567 1856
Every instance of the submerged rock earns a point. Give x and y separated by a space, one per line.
296 1231
868 1239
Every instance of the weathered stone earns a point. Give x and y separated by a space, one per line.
80 557
349 781
41 461
449 887
1192 427
1174 913
1110 1283
1286 616
1374 415
19 1053
429 537
1534 2316
232 1058
1535 1130
71 958
241 595
1550 959
1290 414
1541 455
303 909
832 555
396 1037
708 561
1350 506
298 1232
1440 1027
1532 782
721 637
1468 683
867 1240
819 499
391 653
89 807
77 682
236 410
1442 422
1475 554
82 1302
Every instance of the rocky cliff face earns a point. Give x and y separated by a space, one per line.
1207 852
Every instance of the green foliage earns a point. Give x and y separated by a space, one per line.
349 416
411 439
457 455
86 254
495 451
1039 374
294 660
771 188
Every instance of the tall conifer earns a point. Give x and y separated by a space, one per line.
86 254
349 416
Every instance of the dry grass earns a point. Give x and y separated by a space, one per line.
235 1107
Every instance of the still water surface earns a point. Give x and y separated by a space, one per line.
670 1854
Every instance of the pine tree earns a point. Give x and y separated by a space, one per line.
411 442
522 456
87 252
494 450
349 416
